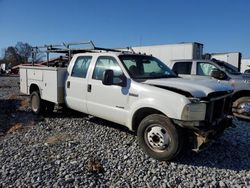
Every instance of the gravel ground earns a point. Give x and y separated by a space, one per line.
75 150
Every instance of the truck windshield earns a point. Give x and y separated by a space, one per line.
145 67
229 68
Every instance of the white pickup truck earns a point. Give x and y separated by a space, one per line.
137 91
224 73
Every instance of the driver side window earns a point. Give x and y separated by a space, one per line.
103 63
205 69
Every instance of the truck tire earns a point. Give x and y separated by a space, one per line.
36 103
240 112
160 138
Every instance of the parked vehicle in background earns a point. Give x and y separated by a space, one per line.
2 68
136 91
232 58
224 73
192 50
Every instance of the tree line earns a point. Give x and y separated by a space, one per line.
18 54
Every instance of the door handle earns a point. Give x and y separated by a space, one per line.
89 88
68 84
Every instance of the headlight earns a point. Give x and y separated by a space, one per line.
194 112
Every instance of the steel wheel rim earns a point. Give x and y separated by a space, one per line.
157 138
245 108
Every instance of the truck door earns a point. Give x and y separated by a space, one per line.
76 84
108 102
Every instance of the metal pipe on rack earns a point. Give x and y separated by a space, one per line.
47 58
66 48
32 54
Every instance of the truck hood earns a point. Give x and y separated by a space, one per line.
240 76
190 87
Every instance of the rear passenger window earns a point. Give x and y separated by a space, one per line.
182 67
81 66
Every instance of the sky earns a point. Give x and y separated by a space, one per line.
221 25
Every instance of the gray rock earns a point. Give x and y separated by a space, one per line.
222 184
154 178
214 183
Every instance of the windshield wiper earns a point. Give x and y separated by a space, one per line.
168 76
163 76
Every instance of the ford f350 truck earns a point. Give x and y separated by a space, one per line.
224 73
136 91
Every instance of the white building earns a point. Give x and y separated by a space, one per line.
245 64
168 52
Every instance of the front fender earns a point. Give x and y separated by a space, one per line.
171 109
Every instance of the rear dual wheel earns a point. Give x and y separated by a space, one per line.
160 138
38 105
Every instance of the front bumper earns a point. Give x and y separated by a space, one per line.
202 133
215 120
197 125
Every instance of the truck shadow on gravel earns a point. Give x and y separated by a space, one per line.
106 123
222 154
14 115
69 113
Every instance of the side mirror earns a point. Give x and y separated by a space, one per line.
110 79
218 74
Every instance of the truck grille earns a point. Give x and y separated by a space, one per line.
218 108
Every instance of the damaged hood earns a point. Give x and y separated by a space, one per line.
195 88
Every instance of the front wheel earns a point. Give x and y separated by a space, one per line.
241 108
159 137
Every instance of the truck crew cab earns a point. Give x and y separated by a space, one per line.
136 91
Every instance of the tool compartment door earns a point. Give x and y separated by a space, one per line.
23 81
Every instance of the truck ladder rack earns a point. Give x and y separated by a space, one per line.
66 48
